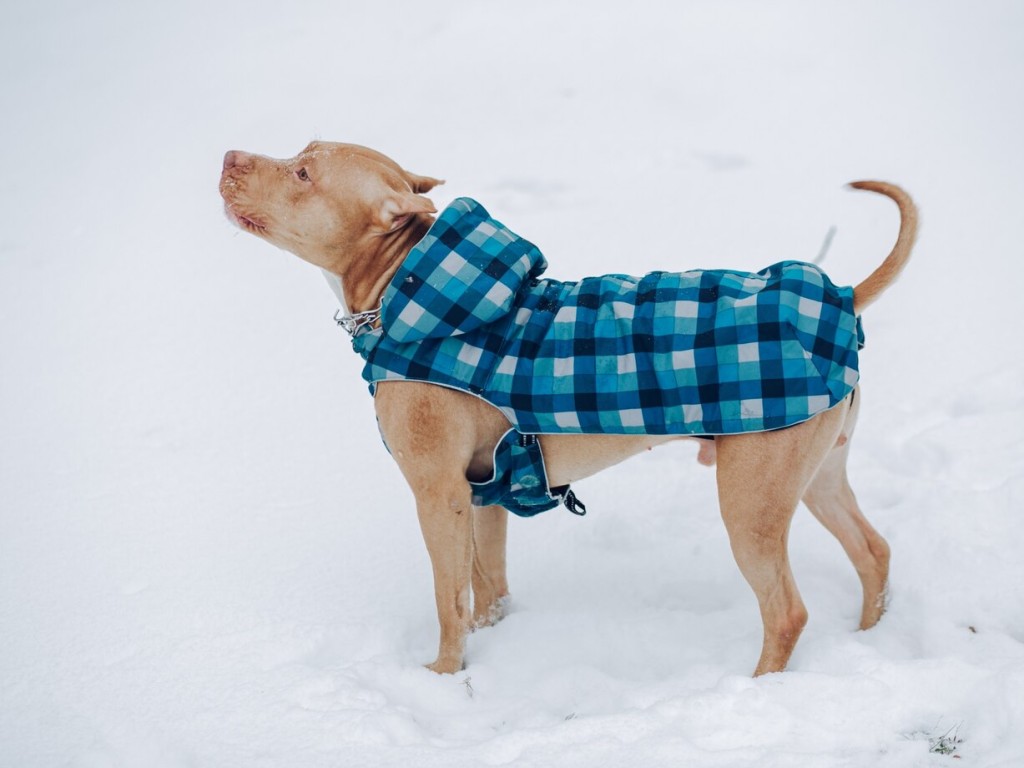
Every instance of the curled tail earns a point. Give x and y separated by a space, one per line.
878 281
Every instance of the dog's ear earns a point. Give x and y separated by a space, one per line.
399 206
421 184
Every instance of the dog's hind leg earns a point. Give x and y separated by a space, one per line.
490 583
761 478
831 500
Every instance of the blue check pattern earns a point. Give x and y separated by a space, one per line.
519 480
704 352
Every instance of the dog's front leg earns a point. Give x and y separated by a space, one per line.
445 514
490 582
438 437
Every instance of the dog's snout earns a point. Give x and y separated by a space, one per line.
234 158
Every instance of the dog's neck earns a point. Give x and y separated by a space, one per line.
360 284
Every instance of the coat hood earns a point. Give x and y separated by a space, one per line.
464 273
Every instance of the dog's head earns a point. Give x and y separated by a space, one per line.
329 203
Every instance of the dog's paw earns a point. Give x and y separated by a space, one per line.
874 610
446 666
493 613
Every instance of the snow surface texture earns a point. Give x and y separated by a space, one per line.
207 557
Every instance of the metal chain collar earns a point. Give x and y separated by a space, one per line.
356 322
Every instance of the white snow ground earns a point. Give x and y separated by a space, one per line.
207 557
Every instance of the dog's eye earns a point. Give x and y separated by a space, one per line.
302 174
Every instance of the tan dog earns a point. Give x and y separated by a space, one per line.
356 214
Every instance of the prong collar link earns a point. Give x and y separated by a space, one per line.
354 324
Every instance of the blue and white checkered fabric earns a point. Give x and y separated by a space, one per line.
519 481
708 352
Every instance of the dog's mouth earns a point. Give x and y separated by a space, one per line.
248 223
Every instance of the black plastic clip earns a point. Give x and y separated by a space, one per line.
574 505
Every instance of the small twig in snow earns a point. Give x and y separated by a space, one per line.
947 743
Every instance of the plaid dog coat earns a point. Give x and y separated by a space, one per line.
706 352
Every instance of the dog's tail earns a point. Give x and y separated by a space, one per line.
879 280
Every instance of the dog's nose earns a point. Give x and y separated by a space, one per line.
234 158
